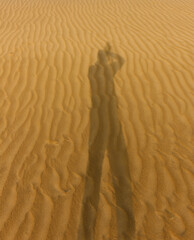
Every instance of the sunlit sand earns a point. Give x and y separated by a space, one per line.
96 120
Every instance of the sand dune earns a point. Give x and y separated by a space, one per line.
96 120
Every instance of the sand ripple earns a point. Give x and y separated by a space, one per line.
54 118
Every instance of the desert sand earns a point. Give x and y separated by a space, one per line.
96 120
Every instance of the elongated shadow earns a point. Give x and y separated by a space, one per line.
106 135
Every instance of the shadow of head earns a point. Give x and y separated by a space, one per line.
104 54
107 57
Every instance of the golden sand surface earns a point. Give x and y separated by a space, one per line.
96 120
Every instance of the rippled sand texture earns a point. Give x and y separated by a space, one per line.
107 156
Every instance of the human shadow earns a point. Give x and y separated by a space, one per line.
106 135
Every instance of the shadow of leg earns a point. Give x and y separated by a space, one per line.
121 179
91 193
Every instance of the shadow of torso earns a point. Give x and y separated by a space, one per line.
103 115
